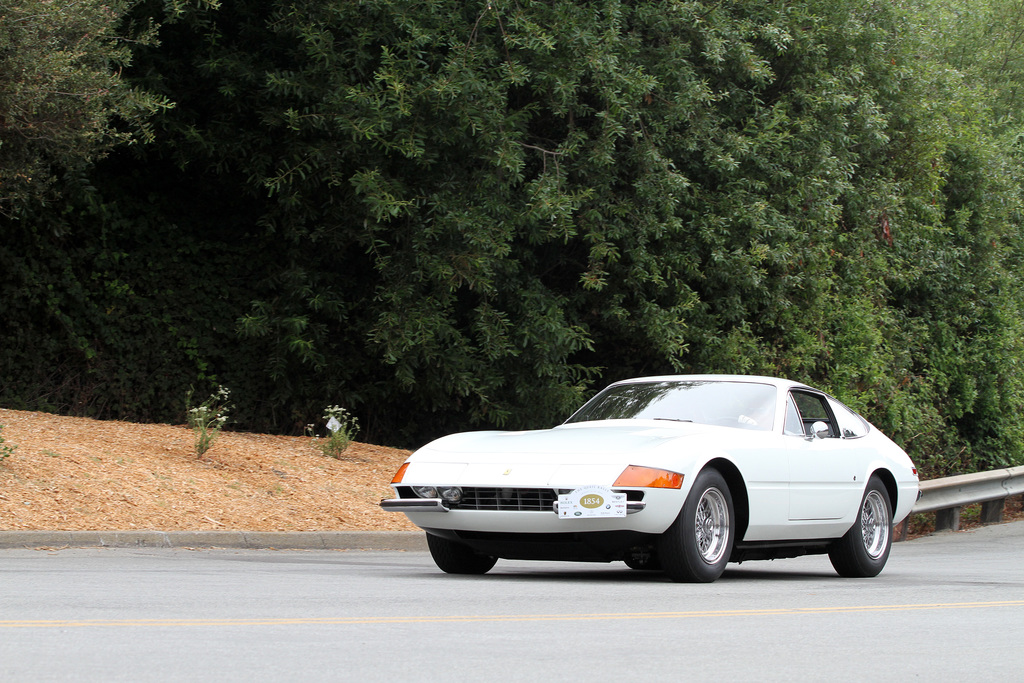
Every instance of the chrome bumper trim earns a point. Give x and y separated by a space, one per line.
413 505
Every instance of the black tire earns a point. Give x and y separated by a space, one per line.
696 548
455 558
864 549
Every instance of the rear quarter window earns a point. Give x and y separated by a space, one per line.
851 425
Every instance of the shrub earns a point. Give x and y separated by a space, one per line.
5 450
208 418
341 429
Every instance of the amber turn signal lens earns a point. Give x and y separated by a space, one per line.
649 477
397 479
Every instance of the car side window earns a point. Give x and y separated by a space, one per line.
793 424
851 425
813 408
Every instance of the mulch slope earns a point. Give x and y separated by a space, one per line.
74 474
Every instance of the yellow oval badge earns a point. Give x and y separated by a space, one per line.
592 501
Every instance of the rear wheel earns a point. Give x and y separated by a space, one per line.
455 558
864 549
697 546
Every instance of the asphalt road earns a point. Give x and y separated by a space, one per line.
946 608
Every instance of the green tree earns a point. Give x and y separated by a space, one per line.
984 40
448 215
63 102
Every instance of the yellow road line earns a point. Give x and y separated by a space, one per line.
499 618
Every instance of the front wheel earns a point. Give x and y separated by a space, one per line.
455 558
696 548
864 549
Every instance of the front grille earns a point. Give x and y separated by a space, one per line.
484 498
508 498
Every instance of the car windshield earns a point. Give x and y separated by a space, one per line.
746 405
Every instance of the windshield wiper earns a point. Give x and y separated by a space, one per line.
672 419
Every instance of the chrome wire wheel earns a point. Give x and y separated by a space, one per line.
864 548
711 526
874 524
697 546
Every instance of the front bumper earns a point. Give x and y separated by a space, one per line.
438 505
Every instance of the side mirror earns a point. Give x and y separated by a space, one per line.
819 430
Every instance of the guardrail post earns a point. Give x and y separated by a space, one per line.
992 511
947 519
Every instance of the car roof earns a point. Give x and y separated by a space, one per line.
758 379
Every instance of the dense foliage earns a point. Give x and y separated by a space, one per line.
446 215
62 101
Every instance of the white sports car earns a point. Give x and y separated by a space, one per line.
678 473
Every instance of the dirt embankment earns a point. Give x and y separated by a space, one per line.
73 474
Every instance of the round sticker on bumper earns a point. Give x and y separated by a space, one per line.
591 501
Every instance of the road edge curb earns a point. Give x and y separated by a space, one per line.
253 540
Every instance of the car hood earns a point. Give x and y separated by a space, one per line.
583 440
568 455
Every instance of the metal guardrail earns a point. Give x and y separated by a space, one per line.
946 496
